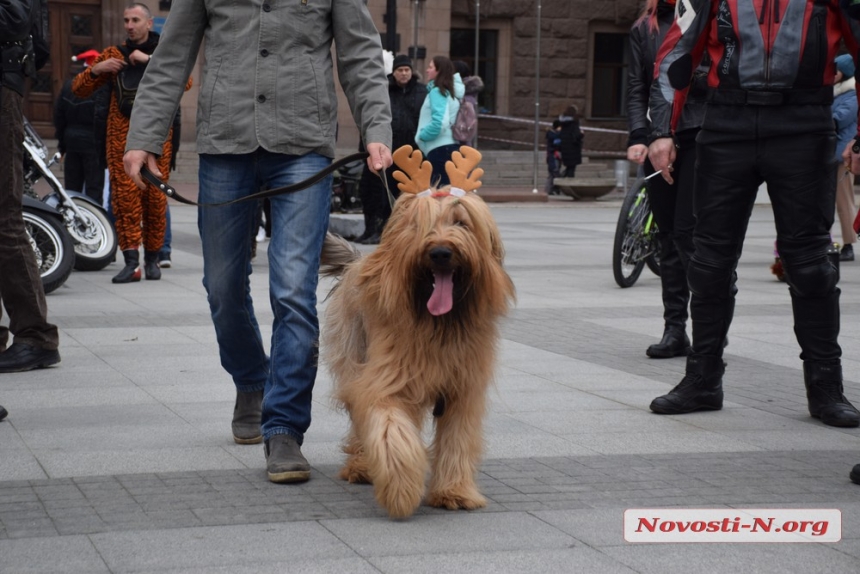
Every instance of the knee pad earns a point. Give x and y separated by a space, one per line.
710 281
812 279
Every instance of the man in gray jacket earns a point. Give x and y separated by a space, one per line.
267 115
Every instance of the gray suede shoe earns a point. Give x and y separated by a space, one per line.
246 418
284 460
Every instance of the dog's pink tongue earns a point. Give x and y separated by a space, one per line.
442 298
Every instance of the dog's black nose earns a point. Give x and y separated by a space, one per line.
441 255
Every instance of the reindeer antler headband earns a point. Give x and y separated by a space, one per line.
415 176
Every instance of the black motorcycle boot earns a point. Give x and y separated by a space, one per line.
816 326
701 389
824 394
150 265
676 296
131 272
674 343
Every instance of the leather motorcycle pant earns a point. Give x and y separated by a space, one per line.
799 172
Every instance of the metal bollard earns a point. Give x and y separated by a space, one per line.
622 172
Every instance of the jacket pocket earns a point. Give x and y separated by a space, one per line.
306 120
207 102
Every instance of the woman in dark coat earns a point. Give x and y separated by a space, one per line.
571 141
672 205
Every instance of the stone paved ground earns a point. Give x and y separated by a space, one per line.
120 460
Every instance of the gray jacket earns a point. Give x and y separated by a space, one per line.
267 77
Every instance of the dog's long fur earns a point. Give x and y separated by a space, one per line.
392 360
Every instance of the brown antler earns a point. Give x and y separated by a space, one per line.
461 163
417 172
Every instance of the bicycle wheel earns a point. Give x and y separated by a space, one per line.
634 236
653 263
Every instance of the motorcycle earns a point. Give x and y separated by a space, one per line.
344 189
51 243
93 235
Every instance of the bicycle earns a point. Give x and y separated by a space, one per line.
635 236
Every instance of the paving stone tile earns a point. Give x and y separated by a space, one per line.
66 555
471 532
577 559
218 546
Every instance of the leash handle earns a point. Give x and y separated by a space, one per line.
166 188
170 191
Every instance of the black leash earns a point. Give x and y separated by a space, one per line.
171 192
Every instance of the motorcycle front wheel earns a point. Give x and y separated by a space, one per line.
53 248
94 236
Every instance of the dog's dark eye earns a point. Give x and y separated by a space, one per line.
463 224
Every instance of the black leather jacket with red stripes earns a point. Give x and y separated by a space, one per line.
644 43
772 65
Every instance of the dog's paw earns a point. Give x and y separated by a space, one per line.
354 472
457 498
400 500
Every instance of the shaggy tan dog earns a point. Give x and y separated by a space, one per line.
414 325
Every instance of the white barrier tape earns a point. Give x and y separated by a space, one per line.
549 124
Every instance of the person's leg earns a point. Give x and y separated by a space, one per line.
225 233
388 201
369 187
94 177
299 225
300 221
154 220
437 158
127 211
685 217
673 273
726 184
164 259
847 211
801 184
73 171
35 340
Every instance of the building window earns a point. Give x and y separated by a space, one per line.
82 25
463 48
609 75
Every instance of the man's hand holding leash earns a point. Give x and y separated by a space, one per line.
135 158
380 157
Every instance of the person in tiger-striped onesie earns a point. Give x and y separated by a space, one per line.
140 215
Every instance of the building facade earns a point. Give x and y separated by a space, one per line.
575 54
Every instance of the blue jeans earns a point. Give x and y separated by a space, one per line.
437 158
164 252
299 223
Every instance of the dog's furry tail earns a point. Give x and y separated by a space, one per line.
337 253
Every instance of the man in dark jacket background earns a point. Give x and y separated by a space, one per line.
407 95
75 125
571 140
